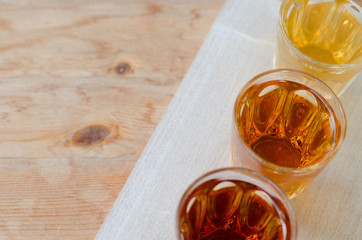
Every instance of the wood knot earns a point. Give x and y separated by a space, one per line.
90 135
154 9
123 69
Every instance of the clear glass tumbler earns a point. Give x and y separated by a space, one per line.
235 203
323 38
287 125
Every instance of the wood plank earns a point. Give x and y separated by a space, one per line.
83 86
83 117
83 38
194 137
55 198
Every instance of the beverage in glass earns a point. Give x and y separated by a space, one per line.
323 38
235 203
288 125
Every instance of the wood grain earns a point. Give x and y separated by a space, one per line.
83 86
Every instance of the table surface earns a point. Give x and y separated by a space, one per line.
83 86
194 136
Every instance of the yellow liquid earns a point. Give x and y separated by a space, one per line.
328 32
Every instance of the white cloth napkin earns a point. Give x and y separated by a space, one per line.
194 137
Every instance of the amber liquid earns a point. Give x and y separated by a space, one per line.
327 31
231 210
286 123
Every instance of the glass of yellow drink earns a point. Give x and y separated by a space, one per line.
323 38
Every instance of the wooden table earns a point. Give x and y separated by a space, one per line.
83 86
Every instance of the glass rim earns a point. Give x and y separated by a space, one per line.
306 57
287 170
243 172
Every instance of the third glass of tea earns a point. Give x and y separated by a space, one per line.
235 203
287 125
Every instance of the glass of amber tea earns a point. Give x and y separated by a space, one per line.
287 125
235 203
323 38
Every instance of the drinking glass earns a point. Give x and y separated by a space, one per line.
287 125
323 38
235 203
